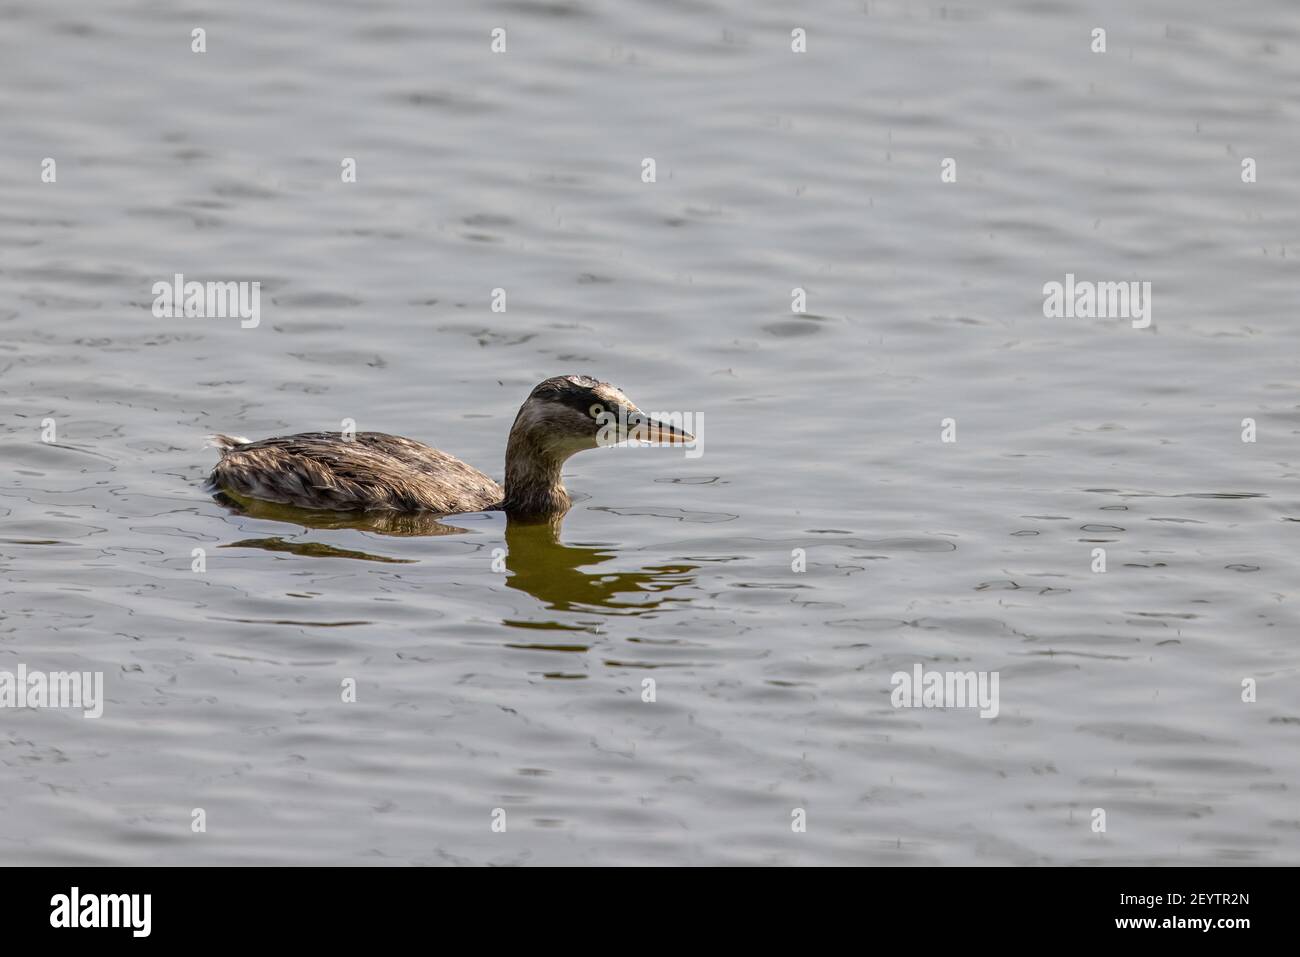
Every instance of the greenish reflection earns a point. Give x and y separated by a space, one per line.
381 523
552 572
536 561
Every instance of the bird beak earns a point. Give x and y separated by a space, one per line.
642 428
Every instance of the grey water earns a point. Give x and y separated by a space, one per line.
825 537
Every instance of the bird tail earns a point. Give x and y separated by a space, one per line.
217 440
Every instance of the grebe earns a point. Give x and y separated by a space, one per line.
372 470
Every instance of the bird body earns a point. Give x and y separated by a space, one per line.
333 471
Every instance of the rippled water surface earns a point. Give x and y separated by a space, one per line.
522 689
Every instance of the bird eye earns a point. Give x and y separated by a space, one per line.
596 410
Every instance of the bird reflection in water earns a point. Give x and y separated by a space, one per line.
552 573
536 561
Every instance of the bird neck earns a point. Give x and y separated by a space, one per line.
532 481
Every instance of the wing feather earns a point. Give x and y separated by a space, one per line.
372 470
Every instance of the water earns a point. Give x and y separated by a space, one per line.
522 690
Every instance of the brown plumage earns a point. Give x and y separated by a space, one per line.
322 470
375 471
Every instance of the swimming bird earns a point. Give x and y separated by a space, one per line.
364 471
